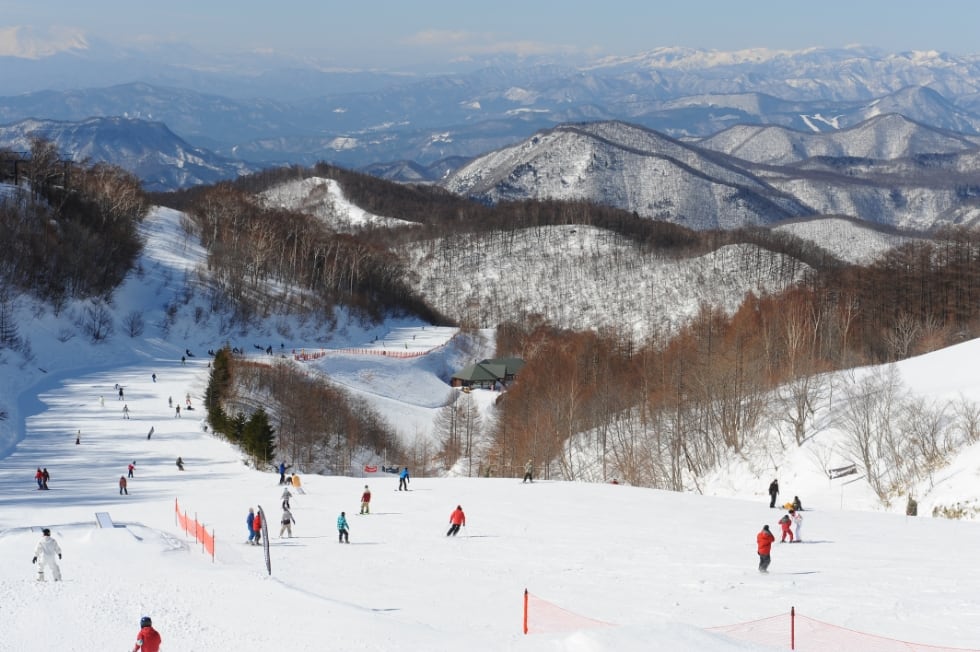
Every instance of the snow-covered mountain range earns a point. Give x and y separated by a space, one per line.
658 177
356 118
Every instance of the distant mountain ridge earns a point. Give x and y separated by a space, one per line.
360 118
631 168
887 136
798 174
149 150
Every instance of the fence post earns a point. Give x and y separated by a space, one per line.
525 611
792 628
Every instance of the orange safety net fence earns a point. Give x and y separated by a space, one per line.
192 526
543 617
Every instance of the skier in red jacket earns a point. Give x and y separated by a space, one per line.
456 519
257 528
764 541
785 523
148 639
366 501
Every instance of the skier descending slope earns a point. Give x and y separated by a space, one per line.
366 501
343 529
456 520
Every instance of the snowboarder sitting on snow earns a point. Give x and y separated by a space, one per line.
403 480
366 501
148 639
785 522
44 555
342 529
456 519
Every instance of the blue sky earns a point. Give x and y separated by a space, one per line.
390 34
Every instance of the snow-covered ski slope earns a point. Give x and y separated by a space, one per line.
660 567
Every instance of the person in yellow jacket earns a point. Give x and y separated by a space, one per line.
297 485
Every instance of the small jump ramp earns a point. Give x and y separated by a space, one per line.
105 521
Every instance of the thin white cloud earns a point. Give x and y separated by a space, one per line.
465 44
28 42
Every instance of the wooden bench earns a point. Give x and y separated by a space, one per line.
842 471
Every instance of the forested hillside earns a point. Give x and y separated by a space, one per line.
671 347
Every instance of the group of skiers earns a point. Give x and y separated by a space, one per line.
253 520
791 526
41 477
774 493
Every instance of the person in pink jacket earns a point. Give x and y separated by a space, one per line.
456 520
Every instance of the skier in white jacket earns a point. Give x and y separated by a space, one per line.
797 524
47 553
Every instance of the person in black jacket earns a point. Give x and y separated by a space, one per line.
773 492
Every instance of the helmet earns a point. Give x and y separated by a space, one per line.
145 621
46 532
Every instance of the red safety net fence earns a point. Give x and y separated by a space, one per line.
305 356
792 631
194 527
543 617
789 631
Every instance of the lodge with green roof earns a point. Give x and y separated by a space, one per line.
487 373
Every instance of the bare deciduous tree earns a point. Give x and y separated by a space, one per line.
97 322
134 323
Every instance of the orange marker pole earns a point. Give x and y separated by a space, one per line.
525 611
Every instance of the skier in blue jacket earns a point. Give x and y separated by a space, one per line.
248 521
403 480
342 529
